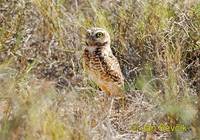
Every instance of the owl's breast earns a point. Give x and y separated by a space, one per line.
92 59
93 63
103 68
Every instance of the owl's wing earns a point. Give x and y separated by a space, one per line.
111 66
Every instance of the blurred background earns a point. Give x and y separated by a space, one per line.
45 95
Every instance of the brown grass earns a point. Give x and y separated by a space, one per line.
45 95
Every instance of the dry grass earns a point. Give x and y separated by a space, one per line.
44 94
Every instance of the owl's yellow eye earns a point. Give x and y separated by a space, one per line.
99 34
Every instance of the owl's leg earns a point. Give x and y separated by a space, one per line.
106 90
118 93
115 90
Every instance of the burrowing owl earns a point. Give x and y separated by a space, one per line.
100 63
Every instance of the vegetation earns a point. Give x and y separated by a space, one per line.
45 95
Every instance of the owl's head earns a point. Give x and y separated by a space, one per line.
97 37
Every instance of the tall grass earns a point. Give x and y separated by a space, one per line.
44 94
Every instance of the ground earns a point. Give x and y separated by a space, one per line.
45 94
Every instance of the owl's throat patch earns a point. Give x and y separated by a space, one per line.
96 44
101 44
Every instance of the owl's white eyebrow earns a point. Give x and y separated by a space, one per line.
89 31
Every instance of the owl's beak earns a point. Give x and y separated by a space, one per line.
90 40
86 43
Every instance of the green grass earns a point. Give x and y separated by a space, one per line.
45 95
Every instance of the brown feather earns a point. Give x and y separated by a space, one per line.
100 63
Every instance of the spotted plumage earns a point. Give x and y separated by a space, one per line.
100 63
